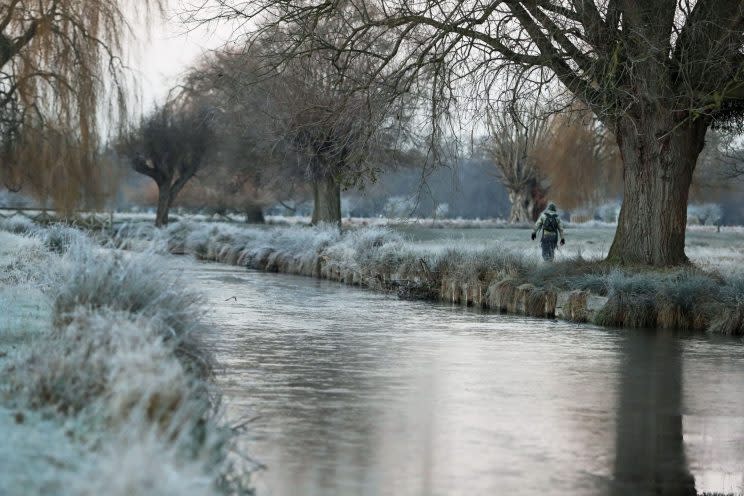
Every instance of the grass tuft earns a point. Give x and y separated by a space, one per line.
136 284
120 369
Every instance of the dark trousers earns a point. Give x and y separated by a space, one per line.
548 242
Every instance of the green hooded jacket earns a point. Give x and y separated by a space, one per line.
550 211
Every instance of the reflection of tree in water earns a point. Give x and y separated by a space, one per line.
650 456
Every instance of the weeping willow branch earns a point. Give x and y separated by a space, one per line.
62 82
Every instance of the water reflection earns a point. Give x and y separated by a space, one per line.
359 393
649 450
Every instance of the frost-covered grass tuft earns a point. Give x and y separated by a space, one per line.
730 319
26 261
733 291
481 265
136 284
117 378
59 238
143 465
373 249
631 300
121 382
678 299
110 361
575 273
17 224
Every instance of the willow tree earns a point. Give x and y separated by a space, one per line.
330 134
171 146
61 77
338 134
516 135
656 72
581 162
334 117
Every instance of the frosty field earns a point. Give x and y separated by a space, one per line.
704 246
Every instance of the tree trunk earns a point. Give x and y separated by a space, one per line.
165 198
521 206
254 214
326 201
659 157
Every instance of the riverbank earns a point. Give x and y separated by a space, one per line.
495 278
107 386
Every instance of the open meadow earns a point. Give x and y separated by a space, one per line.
705 247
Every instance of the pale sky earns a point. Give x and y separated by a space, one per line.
170 48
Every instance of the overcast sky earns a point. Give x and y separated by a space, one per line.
158 59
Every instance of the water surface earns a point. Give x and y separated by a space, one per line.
357 393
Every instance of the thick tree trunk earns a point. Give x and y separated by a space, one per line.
165 199
659 157
521 206
326 201
254 214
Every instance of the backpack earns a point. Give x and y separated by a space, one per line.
550 223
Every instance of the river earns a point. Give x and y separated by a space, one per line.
354 392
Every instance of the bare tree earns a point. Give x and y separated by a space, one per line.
170 146
61 76
335 119
324 131
247 169
721 161
516 134
336 133
657 73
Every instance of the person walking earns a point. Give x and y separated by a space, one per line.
552 228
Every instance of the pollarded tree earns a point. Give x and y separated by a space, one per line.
334 119
338 135
517 133
61 76
324 131
656 72
170 146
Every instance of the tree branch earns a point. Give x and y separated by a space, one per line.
492 42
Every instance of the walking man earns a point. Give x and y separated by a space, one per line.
551 227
